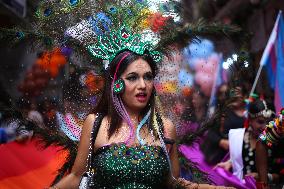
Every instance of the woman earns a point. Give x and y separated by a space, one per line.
119 160
242 154
271 139
216 144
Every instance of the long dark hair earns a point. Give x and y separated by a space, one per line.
106 105
256 106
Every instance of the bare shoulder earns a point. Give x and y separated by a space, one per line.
169 128
90 119
88 123
105 123
102 136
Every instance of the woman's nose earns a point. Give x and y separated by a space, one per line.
142 83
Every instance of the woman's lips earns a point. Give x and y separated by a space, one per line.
141 97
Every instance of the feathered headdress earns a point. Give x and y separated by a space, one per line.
105 28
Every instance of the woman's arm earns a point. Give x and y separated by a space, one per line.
261 163
170 133
72 180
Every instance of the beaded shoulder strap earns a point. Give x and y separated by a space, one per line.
95 129
158 125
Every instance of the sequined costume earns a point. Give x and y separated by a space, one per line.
123 167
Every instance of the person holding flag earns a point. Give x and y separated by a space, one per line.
273 62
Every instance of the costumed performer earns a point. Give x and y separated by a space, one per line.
270 138
135 145
242 142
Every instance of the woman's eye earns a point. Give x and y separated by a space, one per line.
131 78
148 77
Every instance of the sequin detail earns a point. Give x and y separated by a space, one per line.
121 167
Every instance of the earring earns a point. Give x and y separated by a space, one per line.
118 86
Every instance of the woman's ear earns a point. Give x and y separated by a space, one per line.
119 86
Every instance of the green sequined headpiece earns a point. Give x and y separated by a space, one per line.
111 43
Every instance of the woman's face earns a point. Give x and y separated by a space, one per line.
258 124
138 78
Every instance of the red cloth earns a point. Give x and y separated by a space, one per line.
27 166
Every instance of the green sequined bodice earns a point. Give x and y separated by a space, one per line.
120 167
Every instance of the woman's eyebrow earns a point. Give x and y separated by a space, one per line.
135 73
149 72
131 73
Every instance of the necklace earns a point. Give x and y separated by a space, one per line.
248 154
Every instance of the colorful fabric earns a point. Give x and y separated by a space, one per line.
218 176
73 126
195 155
65 125
236 151
27 166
